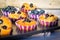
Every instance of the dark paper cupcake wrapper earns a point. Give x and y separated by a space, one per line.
49 24
24 29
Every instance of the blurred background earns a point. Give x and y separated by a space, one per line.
39 3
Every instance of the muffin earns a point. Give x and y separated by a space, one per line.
34 14
17 15
48 20
26 7
5 27
9 9
26 25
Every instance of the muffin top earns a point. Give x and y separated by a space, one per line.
26 22
28 6
48 17
16 15
5 23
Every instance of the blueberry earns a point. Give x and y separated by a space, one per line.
19 12
32 11
47 15
3 9
8 8
4 27
51 15
35 12
41 11
13 12
14 9
31 5
9 11
27 20
11 8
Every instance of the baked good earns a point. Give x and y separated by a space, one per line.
26 25
17 15
26 7
9 9
48 20
34 14
32 6
5 26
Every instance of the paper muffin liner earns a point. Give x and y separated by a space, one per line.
24 29
48 24
32 16
5 13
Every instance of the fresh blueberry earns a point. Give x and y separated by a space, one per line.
27 20
32 11
9 11
19 12
31 5
51 15
4 27
6 10
9 8
35 12
14 9
41 11
47 15
3 9
13 12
